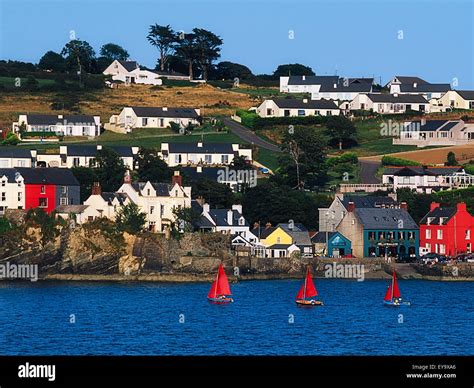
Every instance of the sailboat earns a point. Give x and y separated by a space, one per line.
393 297
307 292
220 289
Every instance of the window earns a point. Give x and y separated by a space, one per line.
278 240
64 190
428 233
63 201
144 121
468 234
4 196
4 183
301 112
162 122
43 189
19 197
286 112
208 158
440 234
269 112
225 159
162 209
43 202
152 209
442 248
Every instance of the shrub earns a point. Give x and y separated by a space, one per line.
388 160
248 118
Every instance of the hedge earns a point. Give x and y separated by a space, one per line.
388 160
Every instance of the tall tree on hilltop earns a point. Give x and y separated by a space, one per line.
79 55
163 38
113 52
208 47
187 49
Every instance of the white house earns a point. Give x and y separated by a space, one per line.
192 154
423 133
227 221
330 87
65 125
129 72
427 179
84 156
12 190
17 157
390 103
416 85
457 99
153 117
103 204
158 200
289 107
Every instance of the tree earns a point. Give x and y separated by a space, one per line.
110 169
340 129
177 64
240 163
129 219
186 219
208 47
292 69
79 55
303 162
11 139
52 61
151 167
418 204
113 52
229 70
451 159
163 38
216 194
86 177
187 50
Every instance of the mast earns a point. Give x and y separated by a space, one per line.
305 283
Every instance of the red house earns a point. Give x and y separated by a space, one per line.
447 230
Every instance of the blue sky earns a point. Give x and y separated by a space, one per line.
353 38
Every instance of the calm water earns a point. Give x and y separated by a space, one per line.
143 319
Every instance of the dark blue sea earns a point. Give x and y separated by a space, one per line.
53 318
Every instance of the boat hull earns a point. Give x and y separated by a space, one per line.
221 300
309 303
394 304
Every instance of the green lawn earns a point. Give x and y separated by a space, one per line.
268 158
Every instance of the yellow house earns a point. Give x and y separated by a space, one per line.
274 242
458 99
276 236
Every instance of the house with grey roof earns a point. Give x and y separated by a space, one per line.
17 157
134 117
385 103
426 179
329 87
300 237
130 72
61 124
292 107
203 154
380 232
456 99
416 85
425 133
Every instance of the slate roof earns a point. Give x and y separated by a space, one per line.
312 79
129 65
169 112
15 152
425 87
360 85
162 189
279 246
9 173
41 119
320 237
91 150
110 196
385 218
422 170
437 214
207 148
466 94
368 201
410 80
298 233
263 232
293 103
400 98
219 217
40 176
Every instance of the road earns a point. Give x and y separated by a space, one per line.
368 169
249 136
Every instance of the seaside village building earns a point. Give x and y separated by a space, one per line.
29 188
156 200
61 125
447 230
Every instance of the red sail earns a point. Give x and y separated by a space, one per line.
388 295
396 291
307 290
220 286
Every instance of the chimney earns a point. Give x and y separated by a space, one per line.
434 205
423 121
303 77
199 144
395 95
305 100
256 225
268 225
237 208
199 169
200 200
230 217
206 208
96 189
335 85
351 207
99 147
165 109
404 206
415 84
461 207
127 179
60 117
177 178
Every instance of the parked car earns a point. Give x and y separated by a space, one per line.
433 258
264 170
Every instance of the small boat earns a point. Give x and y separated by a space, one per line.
393 297
307 292
220 289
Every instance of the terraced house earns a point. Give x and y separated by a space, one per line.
390 103
290 107
380 231
61 125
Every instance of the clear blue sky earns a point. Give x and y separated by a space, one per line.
352 38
